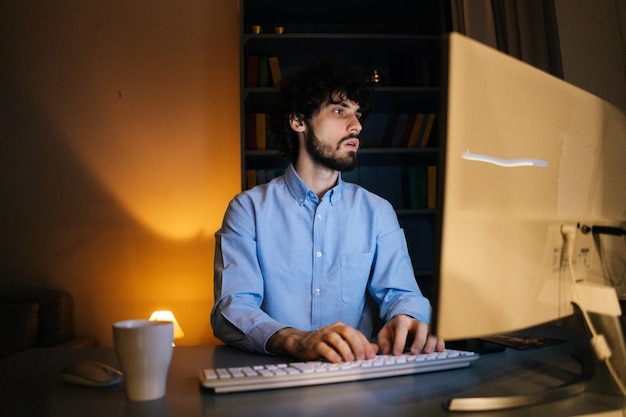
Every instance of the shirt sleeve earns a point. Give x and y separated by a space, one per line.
237 317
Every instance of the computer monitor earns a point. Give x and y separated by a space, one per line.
529 166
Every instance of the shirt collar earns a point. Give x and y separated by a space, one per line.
299 190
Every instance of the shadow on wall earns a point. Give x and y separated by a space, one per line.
61 228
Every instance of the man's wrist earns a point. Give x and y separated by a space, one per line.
284 342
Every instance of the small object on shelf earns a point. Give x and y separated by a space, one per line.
256 29
279 29
375 78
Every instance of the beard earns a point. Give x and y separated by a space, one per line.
329 157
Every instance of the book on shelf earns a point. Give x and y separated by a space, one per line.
256 132
368 178
261 131
263 74
390 185
395 133
408 130
262 71
262 176
252 71
402 122
416 128
422 130
389 131
273 173
250 178
250 133
428 129
432 186
416 190
275 72
419 237
269 139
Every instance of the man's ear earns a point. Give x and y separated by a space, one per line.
296 123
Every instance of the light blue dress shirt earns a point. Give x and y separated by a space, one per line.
285 259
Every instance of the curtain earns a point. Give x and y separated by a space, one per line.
525 29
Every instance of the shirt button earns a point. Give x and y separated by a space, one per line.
318 291
319 216
318 254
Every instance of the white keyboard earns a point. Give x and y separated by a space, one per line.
295 374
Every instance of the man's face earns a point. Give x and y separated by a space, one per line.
332 135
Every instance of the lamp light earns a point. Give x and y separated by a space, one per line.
167 315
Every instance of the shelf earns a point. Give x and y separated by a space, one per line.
415 212
324 43
277 38
390 16
386 99
367 157
264 160
398 156
366 52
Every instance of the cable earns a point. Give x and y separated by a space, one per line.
598 341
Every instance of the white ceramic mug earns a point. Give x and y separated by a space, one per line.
144 350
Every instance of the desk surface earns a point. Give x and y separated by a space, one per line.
30 385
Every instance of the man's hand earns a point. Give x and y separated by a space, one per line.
404 331
336 342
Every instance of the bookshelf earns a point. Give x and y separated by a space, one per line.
402 44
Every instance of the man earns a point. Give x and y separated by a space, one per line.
301 261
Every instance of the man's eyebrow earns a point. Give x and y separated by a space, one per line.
344 103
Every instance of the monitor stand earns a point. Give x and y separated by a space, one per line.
597 375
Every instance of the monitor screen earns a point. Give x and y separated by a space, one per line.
523 154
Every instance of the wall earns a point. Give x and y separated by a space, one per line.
119 151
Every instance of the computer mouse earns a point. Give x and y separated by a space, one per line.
91 373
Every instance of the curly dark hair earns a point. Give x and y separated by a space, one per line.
302 93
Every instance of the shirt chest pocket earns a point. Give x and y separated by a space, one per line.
355 272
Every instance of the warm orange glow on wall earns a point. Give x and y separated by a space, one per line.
123 120
149 120
167 181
